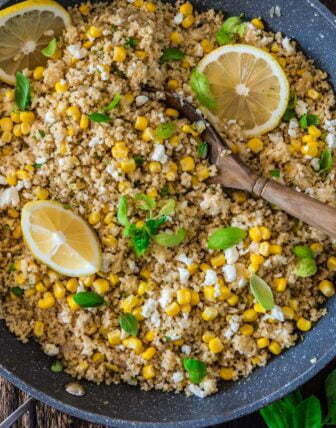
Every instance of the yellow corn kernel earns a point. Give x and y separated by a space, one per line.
30 292
84 121
42 194
314 131
275 249
303 324
275 347
255 234
316 247
38 328
17 233
72 304
215 345
265 232
308 139
72 285
233 300
141 123
239 197
262 342
280 284
171 112
250 315
187 163
120 150
295 146
94 32
133 343
59 290
94 218
150 336
154 167
227 373
188 21
202 172
257 22
209 293
27 117
143 288
7 136
258 308
145 273
207 45
22 174
282 61
40 287
74 113
148 134
148 372
47 302
186 9
9 95
331 263
149 353
110 241
11 179
288 312
101 285
141 54
61 87
310 149
137 312
114 279
20 279
327 288
246 330
209 314
257 259
129 303
293 303
114 337
119 54
264 249
152 193
98 357
204 267
255 145
150 6
195 299
6 124
275 48
176 38
38 73
218 261
123 186
25 128
84 9
183 296
225 293
313 94
173 84
108 219
70 131
173 309
15 116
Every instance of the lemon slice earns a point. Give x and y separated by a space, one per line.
248 85
25 29
60 239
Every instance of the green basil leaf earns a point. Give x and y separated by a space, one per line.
226 237
278 415
168 208
309 413
122 211
289 114
88 299
129 323
196 369
293 99
139 160
326 161
148 203
170 239
38 165
140 239
17 291
165 130
308 120
152 225
50 49
22 91
131 43
262 292
230 28
330 391
275 173
202 150
99 117
56 367
41 133
171 54
200 85
11 267
303 251
113 104
164 191
306 267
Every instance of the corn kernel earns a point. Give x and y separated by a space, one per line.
148 372
173 84
303 324
94 32
94 218
314 131
280 284
20 279
120 150
257 22
186 9
114 337
209 314
98 357
257 259
187 163
128 166
264 249
144 287
275 249
22 174
183 296
154 167
316 247
327 288
275 347
227 373
84 121
308 139
313 94
11 180
173 309
74 113
293 303
141 54
149 353
17 233
38 328
149 6
129 303
255 145
171 112
25 128
6 124
141 123
207 46
195 299
225 293
331 263
188 21
207 336
310 149
246 330
202 172
27 116
148 134
15 116
265 232
262 342
9 95
41 194
133 343
258 308
47 302
59 290
40 287
209 293
233 300
288 312
218 261
72 285
250 315
137 312
215 345
255 234
84 9
119 54
61 87
176 38
101 286
150 336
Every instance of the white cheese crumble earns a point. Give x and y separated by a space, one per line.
186 349
184 259
140 100
76 51
95 141
331 140
293 128
231 255
50 117
210 277
148 308
315 163
230 273
166 297
287 45
177 377
196 390
159 153
51 349
301 108
178 19
232 327
3 181
275 314
9 197
114 172
184 275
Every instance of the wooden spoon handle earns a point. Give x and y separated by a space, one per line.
298 204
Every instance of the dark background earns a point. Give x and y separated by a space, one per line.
11 397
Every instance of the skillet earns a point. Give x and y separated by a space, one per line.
309 22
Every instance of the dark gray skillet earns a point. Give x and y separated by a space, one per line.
124 406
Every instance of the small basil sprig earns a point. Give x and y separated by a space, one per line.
22 91
114 103
129 323
168 208
326 162
122 211
224 238
306 265
275 173
17 291
50 49
307 120
171 54
262 292
196 369
147 203
230 30
165 130
170 239
88 299
202 150
200 85
131 42
99 117
290 112
56 367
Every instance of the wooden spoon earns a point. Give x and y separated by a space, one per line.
233 173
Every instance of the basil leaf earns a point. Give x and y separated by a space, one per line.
170 239
171 54
293 99
164 191
148 203
309 413
131 43
152 225
56 367
41 133
230 28
326 161
99 117
308 120
17 291
302 251
139 160
50 49
140 239
275 173
200 85
289 114
202 150
306 267
224 238
129 323
165 130
113 104
262 292
88 299
38 165
330 391
278 415
22 91
196 369
168 208
122 211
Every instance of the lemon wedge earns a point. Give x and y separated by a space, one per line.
25 29
60 239
248 85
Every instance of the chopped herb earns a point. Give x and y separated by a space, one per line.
171 54
114 103
56 367
22 91
118 72
131 43
38 165
147 203
202 150
114 28
139 160
153 224
170 239
17 291
230 29
41 133
196 369
306 267
168 208
224 238
308 119
290 112
200 85
302 251
275 173
326 161
88 299
122 211
164 191
99 117
66 206
50 49
330 390
165 130
11 267
262 292
139 238
129 323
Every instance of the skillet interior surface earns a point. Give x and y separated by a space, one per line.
121 405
